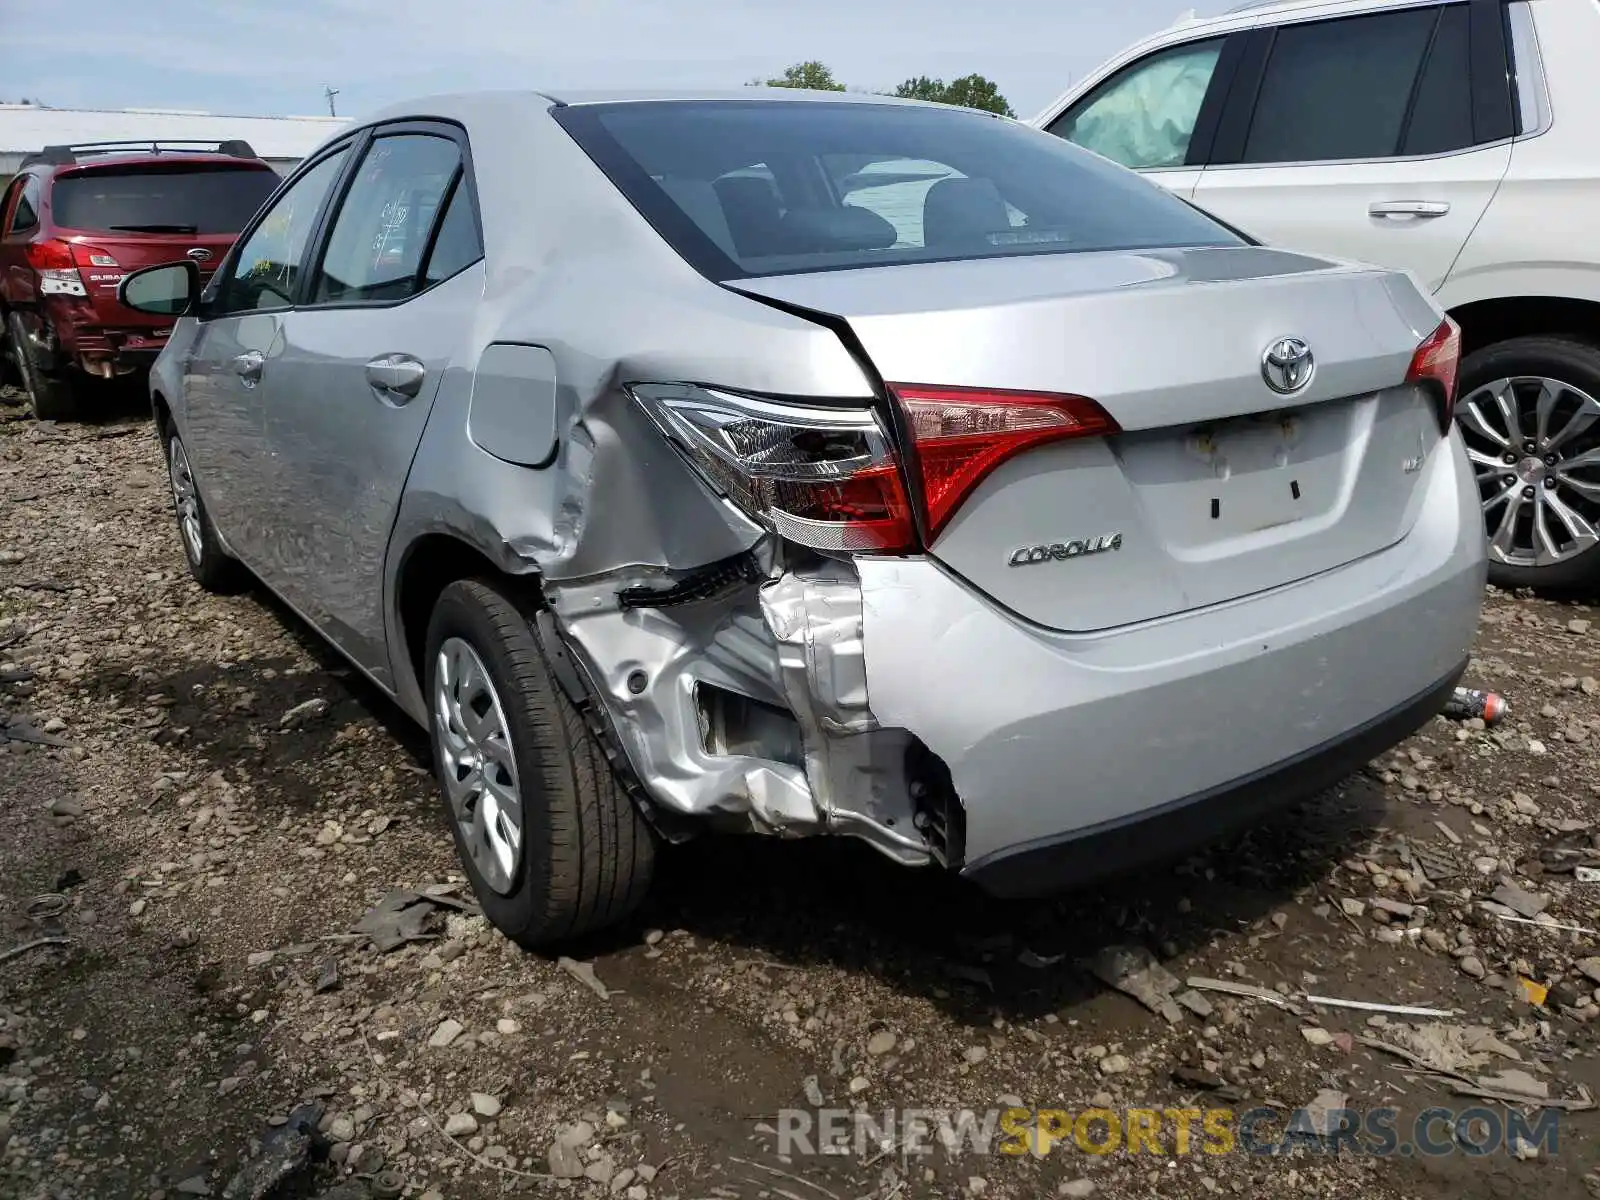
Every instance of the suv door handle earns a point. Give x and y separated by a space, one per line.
397 376
248 367
1408 208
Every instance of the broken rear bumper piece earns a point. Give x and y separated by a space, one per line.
866 697
751 709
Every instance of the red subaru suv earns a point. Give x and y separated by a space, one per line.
76 219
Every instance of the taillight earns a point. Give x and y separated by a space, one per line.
1436 365
58 274
54 255
960 435
92 256
824 477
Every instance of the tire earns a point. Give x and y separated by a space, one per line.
586 852
210 565
50 398
1576 365
9 376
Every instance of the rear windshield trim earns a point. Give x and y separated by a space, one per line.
586 126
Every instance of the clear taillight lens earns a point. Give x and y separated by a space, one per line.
1437 363
825 477
962 434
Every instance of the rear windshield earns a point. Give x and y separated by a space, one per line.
191 199
767 187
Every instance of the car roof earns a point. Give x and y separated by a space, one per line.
1253 11
469 107
94 162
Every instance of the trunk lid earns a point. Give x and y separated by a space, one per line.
1218 486
120 217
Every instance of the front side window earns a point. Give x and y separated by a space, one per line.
269 263
1339 89
764 187
1145 115
381 235
181 198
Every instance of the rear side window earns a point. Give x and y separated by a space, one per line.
1145 115
178 199
1339 89
26 215
1441 115
763 187
457 246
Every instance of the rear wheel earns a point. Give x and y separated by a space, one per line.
553 844
1530 414
9 376
50 398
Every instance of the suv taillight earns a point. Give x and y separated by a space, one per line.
53 263
824 477
960 435
1436 365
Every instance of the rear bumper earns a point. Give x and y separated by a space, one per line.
1170 829
72 335
1141 737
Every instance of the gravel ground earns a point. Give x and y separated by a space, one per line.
201 858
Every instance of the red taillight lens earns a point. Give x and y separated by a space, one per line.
54 255
1436 364
824 477
960 435
58 274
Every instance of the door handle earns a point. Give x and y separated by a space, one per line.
1408 208
397 376
248 367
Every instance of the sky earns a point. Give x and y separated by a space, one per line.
275 57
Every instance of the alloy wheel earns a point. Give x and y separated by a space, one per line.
479 764
187 501
1534 444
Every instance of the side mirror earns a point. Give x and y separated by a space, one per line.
170 290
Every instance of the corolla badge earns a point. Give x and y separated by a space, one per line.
1026 556
1287 365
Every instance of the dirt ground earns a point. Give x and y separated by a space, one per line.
200 859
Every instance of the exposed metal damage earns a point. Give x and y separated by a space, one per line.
739 693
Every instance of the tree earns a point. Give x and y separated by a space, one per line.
813 75
922 88
970 91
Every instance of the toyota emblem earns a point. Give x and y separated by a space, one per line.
200 254
1287 365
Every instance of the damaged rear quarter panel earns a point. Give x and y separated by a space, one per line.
572 268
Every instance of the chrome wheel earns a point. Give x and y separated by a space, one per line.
1535 448
186 500
473 742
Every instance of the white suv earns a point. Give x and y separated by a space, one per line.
1454 140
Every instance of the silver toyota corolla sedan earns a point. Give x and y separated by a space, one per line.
812 464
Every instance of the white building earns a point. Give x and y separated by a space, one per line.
26 129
